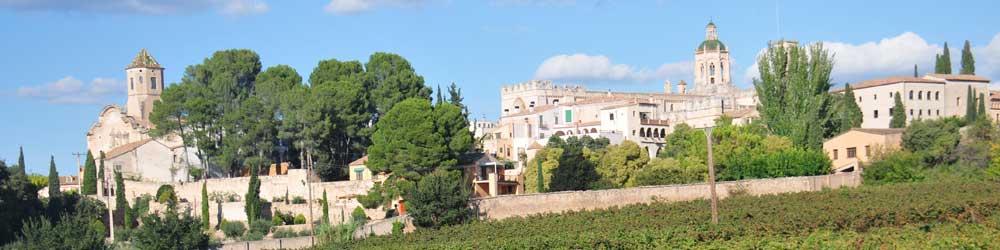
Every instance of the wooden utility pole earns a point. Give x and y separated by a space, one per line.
78 154
107 200
711 177
312 239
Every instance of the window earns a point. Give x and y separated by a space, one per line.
859 99
569 116
937 94
612 116
958 100
868 150
890 94
712 81
131 83
532 104
152 82
852 152
920 112
920 95
711 70
911 94
928 111
140 81
834 154
556 101
875 97
938 112
876 114
911 112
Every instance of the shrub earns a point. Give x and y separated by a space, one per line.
397 228
298 200
788 162
260 226
172 231
933 140
342 233
300 219
665 171
899 166
358 216
232 229
165 195
72 232
440 199
284 233
277 220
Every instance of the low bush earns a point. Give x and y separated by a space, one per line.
300 219
784 163
895 167
397 228
284 233
298 200
358 216
260 226
232 229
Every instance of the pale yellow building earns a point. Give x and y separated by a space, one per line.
859 145
932 96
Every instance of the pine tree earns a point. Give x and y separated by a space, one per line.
970 105
915 74
20 170
326 209
89 176
204 206
946 60
898 113
121 205
968 62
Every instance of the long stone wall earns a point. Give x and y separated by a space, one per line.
528 204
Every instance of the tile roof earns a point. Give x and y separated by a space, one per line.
970 78
359 162
115 152
887 81
879 131
144 60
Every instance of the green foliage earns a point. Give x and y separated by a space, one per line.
844 113
786 221
549 158
121 204
793 91
358 216
252 199
397 228
943 63
373 198
895 167
285 233
968 62
576 169
665 171
166 195
684 142
72 232
393 80
618 164
326 208
788 162
298 200
971 113
343 233
262 227
89 176
277 220
933 140
54 207
204 206
18 201
440 199
898 113
100 170
285 218
993 171
300 219
232 229
36 180
171 231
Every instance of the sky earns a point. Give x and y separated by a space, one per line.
63 60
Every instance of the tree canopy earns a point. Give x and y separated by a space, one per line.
793 91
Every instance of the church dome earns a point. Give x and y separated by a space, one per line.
711 45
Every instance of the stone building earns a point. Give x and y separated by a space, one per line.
123 134
535 110
859 145
929 97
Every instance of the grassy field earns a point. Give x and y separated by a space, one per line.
936 215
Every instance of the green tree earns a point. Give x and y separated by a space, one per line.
72 232
968 62
20 168
19 201
898 113
252 199
55 195
411 142
89 176
933 140
845 113
326 208
619 163
895 167
981 111
440 199
993 170
971 113
943 65
204 206
915 74
393 80
439 98
792 89
332 70
100 169
665 171
171 231
121 204
538 181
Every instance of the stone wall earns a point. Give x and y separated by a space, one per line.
522 205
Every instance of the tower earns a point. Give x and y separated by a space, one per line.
712 64
144 81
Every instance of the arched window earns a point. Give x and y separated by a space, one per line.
152 82
937 94
642 132
911 94
663 133
131 83
722 69
920 95
711 69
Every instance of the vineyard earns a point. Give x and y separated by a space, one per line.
941 214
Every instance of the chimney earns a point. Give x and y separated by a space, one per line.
667 87
682 87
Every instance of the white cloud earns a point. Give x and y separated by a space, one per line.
346 7
70 90
988 59
141 7
888 57
533 2
599 68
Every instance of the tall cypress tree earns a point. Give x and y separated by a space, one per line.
945 60
970 105
439 98
326 209
204 205
252 199
981 113
89 176
55 196
849 114
915 74
968 63
121 205
937 64
898 113
20 170
100 169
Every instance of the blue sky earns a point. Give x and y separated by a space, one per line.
64 60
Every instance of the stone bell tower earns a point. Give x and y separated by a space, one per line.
145 84
712 64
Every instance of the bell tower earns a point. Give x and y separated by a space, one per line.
712 64
144 81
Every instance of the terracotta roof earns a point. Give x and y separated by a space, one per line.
587 124
115 152
887 81
970 78
359 162
740 113
879 131
144 60
535 145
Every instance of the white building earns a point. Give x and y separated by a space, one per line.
929 97
535 110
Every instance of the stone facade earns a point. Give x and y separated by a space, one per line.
929 97
859 145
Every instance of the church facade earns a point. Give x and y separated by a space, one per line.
123 133
536 110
